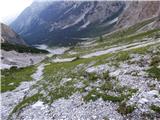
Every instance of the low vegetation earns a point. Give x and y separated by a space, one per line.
13 77
155 61
125 109
155 108
27 101
154 72
21 48
123 56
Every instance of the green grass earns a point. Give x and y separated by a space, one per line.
26 102
122 56
62 92
154 72
106 75
92 76
113 98
13 77
21 48
94 95
124 93
106 86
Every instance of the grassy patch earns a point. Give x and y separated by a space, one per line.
123 56
92 76
94 95
26 102
62 92
106 86
113 98
106 75
154 72
13 77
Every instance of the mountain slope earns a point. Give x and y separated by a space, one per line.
116 77
62 22
10 36
139 11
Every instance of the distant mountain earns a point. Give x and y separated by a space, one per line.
56 23
8 35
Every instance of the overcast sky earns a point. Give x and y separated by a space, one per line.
9 9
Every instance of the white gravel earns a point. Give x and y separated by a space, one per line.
72 109
13 58
58 60
121 48
11 98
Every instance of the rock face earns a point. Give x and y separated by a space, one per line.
8 35
62 22
137 11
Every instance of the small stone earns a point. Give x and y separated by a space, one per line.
94 117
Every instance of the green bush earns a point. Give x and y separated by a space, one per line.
92 76
124 109
107 86
154 72
123 56
155 61
92 95
106 75
106 97
155 108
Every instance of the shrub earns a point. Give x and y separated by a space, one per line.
154 72
124 109
155 60
106 75
155 108
113 98
107 86
122 56
92 76
101 38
